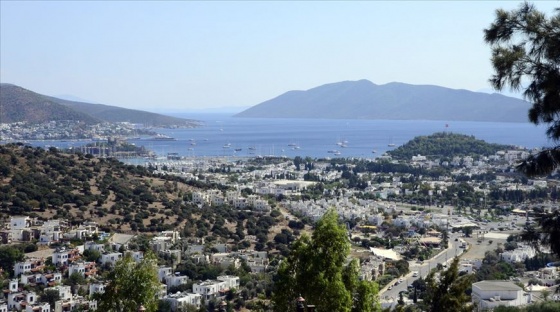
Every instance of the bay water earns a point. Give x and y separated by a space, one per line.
224 135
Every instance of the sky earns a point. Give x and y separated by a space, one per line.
192 55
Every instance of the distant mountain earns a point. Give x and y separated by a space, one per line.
19 104
70 97
397 101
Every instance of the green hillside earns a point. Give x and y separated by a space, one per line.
18 104
446 145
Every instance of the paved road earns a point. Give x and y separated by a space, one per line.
390 297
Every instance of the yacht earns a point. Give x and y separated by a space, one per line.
162 137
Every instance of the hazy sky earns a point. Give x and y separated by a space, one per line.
183 55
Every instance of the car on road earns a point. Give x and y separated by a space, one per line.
415 274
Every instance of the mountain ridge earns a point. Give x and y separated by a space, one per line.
363 99
18 104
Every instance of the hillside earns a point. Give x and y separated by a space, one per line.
396 101
120 198
19 104
446 145
48 183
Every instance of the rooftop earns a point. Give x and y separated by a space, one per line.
496 285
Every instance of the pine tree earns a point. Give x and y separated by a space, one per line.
131 284
449 292
316 269
526 48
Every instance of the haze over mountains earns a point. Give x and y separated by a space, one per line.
360 99
363 99
18 104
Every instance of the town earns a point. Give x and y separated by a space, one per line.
404 219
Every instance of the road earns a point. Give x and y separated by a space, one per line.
483 239
390 297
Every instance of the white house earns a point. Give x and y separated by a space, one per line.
75 304
91 245
230 280
138 256
96 288
38 307
65 256
19 223
490 294
49 279
199 197
180 300
209 289
30 265
163 272
19 228
176 280
64 292
85 269
110 258
17 300
518 255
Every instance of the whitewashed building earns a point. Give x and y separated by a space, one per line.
490 294
110 258
180 300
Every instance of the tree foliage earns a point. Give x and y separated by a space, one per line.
526 48
9 255
316 270
546 306
449 292
546 233
131 284
51 296
445 145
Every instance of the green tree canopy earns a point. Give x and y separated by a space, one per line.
316 269
526 50
9 255
449 292
51 296
547 232
131 284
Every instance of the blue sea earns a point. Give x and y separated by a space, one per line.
223 135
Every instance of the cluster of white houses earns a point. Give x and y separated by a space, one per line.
68 261
233 198
27 229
